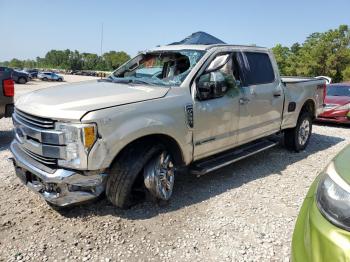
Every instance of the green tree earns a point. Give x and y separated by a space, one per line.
114 59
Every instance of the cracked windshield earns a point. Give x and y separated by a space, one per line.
165 68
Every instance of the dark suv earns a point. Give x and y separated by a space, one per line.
17 76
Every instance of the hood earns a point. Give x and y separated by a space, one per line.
72 101
341 164
337 100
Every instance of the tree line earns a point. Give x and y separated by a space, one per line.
326 53
72 60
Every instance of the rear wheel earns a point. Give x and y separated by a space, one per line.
59 79
22 80
45 79
297 138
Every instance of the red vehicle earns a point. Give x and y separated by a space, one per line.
337 104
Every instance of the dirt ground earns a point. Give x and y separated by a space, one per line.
244 212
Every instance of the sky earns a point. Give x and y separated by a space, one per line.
31 28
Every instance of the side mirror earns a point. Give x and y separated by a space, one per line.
211 85
217 63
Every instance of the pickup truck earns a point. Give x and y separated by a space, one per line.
129 135
7 92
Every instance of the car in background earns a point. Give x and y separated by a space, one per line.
18 76
337 104
46 76
32 72
7 92
322 230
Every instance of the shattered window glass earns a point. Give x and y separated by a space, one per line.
167 68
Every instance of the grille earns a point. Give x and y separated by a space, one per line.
42 159
34 121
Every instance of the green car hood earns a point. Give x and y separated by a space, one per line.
342 164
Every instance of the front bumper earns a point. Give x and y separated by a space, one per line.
341 116
315 238
61 187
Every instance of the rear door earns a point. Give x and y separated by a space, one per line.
261 102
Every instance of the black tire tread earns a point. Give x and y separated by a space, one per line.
124 172
291 134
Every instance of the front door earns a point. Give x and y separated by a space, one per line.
216 113
261 104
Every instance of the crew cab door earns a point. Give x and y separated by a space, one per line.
261 102
216 107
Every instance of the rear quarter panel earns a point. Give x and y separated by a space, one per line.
300 91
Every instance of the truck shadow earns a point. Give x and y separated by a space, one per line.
191 190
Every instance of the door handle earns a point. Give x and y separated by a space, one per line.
244 100
277 93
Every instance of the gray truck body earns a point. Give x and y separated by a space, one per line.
122 113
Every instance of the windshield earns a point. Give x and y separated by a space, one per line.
338 91
167 68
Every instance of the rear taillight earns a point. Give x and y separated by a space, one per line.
9 87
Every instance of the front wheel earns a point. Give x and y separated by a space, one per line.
297 138
137 167
159 176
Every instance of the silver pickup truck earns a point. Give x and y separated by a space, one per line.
176 108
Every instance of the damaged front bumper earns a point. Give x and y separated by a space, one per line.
60 187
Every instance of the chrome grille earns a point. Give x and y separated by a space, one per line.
44 160
35 121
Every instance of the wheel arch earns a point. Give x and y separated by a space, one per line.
169 142
310 107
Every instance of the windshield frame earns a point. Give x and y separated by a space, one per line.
138 58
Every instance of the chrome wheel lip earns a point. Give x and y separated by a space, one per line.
304 132
159 176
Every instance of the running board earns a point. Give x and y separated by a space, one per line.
207 165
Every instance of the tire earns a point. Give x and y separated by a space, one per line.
59 79
126 171
45 79
297 138
22 80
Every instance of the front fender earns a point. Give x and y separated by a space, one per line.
119 126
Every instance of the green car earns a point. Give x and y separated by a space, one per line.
322 230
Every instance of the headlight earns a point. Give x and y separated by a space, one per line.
79 139
333 198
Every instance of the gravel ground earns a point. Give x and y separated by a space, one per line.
244 212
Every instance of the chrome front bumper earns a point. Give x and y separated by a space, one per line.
60 187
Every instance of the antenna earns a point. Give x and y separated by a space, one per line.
101 43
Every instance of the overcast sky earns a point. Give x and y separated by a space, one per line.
31 28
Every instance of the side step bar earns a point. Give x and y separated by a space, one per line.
205 166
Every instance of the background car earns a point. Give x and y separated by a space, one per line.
18 76
45 76
32 72
337 104
322 230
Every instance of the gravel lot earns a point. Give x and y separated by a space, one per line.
245 212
